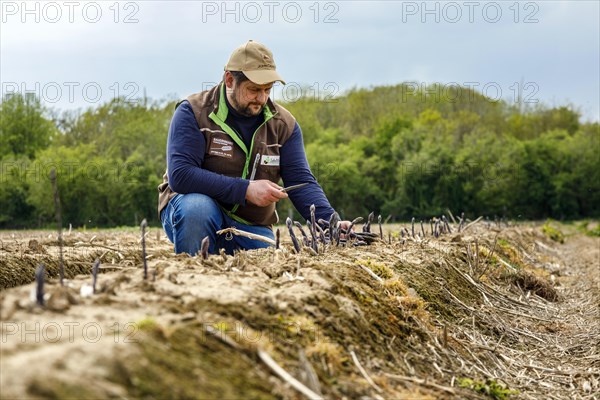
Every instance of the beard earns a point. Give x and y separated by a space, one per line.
251 109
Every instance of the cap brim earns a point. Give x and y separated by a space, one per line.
262 77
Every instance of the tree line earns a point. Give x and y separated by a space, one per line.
394 150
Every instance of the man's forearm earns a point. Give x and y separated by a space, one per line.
228 190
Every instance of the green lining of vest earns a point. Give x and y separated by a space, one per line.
237 218
219 119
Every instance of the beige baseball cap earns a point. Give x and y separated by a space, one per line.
255 61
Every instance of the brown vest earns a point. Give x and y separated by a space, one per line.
225 151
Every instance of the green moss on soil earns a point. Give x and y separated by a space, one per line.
57 389
188 363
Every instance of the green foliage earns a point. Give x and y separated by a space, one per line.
14 189
595 231
397 150
23 127
345 177
590 228
420 151
490 387
553 233
109 161
94 190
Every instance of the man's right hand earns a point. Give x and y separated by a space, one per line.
264 192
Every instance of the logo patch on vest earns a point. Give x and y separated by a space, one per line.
221 148
269 160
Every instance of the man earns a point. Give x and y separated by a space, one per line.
227 148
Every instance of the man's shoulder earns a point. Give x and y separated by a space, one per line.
204 98
201 103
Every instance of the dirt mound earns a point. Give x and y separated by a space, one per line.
489 312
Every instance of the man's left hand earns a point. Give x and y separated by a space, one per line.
345 225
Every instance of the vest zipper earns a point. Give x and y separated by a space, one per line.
219 119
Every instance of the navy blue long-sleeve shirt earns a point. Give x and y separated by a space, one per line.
185 156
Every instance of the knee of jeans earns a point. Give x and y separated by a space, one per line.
198 207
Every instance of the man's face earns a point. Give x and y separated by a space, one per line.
248 98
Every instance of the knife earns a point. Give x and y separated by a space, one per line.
287 189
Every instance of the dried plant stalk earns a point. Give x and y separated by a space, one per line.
57 211
40 274
143 226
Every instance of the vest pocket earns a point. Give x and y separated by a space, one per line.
222 155
268 166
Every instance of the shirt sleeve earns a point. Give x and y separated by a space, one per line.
185 156
295 170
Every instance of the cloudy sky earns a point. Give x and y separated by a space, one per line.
76 54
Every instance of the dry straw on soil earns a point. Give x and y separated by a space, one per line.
491 312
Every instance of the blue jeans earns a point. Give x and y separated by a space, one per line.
189 218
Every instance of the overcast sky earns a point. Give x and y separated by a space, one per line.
77 54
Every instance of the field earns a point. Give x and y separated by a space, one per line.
495 311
